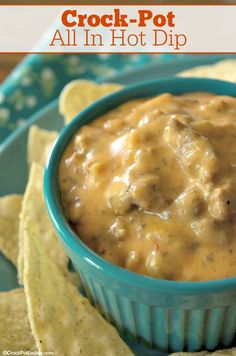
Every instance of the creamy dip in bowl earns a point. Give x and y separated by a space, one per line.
148 187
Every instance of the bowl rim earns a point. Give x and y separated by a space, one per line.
52 194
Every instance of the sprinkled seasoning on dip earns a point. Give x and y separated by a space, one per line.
151 186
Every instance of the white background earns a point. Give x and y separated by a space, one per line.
208 28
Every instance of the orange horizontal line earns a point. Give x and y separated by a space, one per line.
117 52
121 5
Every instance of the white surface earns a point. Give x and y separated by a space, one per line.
207 28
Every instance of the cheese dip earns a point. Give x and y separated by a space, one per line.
151 186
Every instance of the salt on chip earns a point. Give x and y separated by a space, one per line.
10 206
39 144
33 206
61 319
229 352
15 331
223 70
79 94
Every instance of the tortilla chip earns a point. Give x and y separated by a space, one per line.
229 352
15 332
224 70
39 144
10 206
33 206
56 306
79 94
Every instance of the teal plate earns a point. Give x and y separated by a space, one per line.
13 166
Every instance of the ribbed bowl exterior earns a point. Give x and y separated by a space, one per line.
162 321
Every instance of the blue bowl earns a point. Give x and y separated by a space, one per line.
166 315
